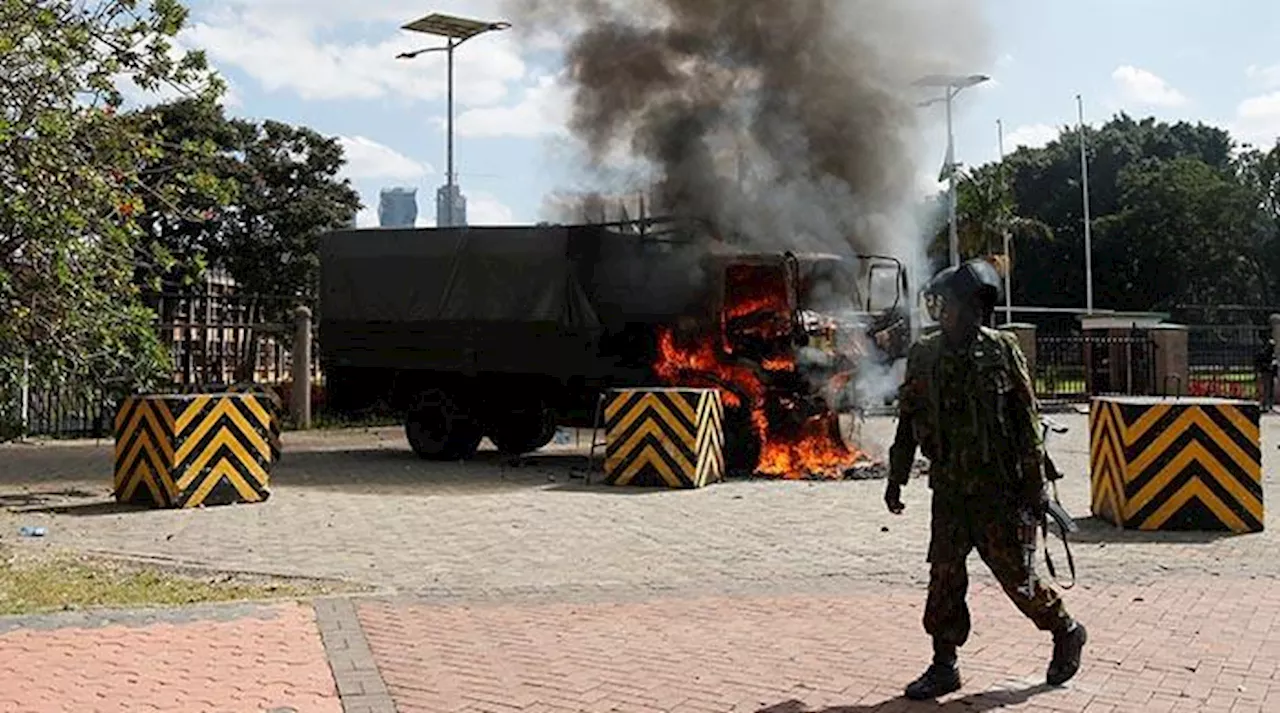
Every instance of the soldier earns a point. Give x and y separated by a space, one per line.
968 403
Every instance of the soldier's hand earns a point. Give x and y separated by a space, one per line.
893 498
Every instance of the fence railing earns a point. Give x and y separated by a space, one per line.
1075 366
1224 361
211 338
224 338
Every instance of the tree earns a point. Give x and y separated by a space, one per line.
1184 235
290 195
69 187
1046 187
984 212
189 188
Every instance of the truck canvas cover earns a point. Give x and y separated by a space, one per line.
459 275
527 299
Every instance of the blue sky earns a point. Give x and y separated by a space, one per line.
330 64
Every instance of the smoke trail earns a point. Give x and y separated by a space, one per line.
793 124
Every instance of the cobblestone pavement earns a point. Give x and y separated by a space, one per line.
236 658
359 506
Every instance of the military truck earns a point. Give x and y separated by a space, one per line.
511 332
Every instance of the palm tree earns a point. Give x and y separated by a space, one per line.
984 211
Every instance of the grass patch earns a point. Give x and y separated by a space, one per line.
64 582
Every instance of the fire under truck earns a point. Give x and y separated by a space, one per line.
511 332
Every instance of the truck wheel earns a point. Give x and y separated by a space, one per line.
440 428
523 432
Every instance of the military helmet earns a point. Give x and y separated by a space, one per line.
973 278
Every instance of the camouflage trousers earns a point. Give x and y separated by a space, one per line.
958 528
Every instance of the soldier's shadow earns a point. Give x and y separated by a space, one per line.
972 703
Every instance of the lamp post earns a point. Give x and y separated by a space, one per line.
1088 227
1004 228
954 84
455 31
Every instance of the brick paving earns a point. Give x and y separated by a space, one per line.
264 659
1179 646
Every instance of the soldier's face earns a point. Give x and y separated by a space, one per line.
957 319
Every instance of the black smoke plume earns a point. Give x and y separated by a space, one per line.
792 123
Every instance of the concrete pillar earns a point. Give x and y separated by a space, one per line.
300 401
1026 334
1171 359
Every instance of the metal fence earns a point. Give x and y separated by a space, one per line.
225 338
1223 361
213 339
1071 367
66 407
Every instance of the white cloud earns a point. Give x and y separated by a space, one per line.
367 158
1257 120
1032 136
368 216
1266 77
485 209
542 110
164 92
1139 86
289 46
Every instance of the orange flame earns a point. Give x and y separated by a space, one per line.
793 449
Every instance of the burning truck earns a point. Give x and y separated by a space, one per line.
511 332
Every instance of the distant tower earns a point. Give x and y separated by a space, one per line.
398 207
451 207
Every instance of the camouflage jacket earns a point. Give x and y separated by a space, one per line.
972 412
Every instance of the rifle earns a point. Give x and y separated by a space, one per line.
1066 524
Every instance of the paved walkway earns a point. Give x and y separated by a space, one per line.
1208 645
514 588
233 658
373 513
1180 646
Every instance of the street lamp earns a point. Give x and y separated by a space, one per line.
954 84
1008 259
455 30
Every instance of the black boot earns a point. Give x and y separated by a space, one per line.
1068 644
942 676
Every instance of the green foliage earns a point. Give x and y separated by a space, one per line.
290 195
189 187
1180 216
71 193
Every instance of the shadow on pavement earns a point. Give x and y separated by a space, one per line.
96 508
972 703
43 498
374 470
1097 531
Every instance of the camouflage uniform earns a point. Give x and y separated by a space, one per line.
972 412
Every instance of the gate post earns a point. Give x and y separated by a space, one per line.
1172 374
300 403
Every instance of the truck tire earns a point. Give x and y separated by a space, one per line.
741 444
439 427
523 432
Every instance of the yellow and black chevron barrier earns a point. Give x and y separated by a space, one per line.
186 451
1176 464
269 396
670 438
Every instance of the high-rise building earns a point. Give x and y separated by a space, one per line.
398 207
451 207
